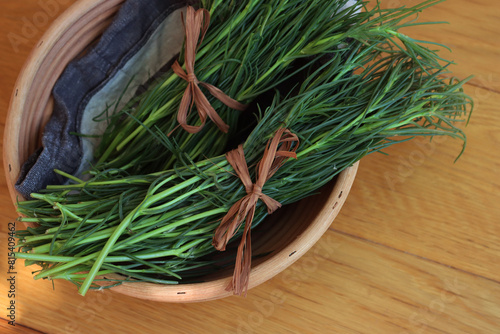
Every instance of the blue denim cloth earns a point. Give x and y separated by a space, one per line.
83 77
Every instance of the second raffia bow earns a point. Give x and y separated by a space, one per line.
278 150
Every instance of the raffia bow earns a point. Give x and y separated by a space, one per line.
278 150
196 23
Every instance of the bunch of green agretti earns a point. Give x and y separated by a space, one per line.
247 50
157 227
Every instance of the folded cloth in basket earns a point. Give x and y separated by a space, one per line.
143 38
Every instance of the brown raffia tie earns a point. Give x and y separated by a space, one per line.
197 23
277 152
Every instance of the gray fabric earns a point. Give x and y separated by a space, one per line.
134 46
163 45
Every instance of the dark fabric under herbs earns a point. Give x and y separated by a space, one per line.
83 77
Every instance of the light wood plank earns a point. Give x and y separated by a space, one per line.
471 31
7 328
417 200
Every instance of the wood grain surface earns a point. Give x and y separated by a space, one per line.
415 249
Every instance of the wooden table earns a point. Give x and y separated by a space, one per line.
416 248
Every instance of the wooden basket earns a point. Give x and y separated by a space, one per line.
289 233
